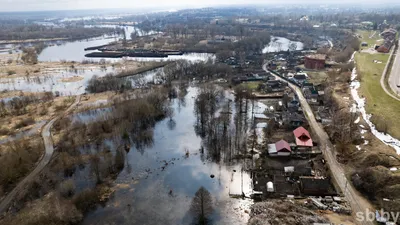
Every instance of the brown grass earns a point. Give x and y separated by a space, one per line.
18 159
50 210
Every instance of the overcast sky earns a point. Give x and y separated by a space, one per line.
35 5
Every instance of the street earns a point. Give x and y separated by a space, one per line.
358 203
394 76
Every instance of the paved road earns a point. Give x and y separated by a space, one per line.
394 76
49 149
358 203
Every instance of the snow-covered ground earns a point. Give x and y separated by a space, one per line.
359 106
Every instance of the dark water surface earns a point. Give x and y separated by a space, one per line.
159 181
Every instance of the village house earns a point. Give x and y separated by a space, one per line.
280 148
293 105
293 120
303 139
309 91
274 85
315 62
389 36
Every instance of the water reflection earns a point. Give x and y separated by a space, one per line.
74 50
159 185
202 207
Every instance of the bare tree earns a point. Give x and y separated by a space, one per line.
202 206
292 46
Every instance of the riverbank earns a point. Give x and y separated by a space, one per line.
33 40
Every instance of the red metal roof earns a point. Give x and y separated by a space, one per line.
300 131
306 143
282 146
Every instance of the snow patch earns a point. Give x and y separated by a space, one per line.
360 106
260 108
393 169
260 116
262 125
260 135
358 147
357 120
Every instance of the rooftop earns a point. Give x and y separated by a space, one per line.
300 132
316 56
282 146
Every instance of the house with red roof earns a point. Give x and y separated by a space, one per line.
303 139
280 148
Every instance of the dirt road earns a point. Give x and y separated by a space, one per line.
358 203
49 149
394 75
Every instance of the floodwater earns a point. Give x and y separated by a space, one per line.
34 130
74 51
159 181
91 115
279 44
53 83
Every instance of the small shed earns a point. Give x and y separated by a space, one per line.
288 169
270 187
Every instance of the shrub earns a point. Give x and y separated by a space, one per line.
11 72
18 159
50 210
5 131
86 200
67 188
24 122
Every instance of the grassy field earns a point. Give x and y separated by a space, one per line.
365 34
378 102
252 85
317 77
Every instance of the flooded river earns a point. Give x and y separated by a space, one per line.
159 180
53 81
74 51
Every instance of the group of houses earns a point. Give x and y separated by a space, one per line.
389 36
303 144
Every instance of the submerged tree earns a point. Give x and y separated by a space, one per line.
202 206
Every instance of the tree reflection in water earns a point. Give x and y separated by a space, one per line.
222 123
201 207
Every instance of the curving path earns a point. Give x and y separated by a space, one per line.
358 203
49 149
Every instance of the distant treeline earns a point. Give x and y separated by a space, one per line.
34 31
